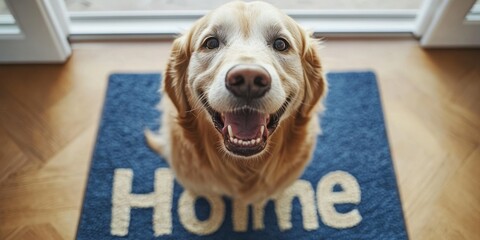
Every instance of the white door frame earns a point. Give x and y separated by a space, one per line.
442 24
44 32
44 29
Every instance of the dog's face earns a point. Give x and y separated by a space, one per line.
245 68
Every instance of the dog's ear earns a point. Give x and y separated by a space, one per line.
175 82
315 84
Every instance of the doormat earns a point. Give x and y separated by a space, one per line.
348 191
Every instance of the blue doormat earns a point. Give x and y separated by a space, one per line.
348 191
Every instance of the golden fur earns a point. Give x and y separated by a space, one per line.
188 139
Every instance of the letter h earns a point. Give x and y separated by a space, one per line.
123 200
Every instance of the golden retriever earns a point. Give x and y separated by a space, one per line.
241 97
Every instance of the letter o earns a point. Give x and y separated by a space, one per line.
189 219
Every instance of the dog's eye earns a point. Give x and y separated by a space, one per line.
211 43
280 44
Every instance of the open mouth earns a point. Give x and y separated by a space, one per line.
246 131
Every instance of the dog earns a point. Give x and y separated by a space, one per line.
241 99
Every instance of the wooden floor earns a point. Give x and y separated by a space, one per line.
49 116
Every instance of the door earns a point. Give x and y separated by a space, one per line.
453 23
36 32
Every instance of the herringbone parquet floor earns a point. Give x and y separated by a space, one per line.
49 116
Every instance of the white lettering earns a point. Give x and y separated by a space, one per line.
189 220
240 215
123 200
327 198
283 206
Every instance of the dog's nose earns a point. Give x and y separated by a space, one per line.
248 81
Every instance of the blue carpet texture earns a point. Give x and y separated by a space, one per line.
353 143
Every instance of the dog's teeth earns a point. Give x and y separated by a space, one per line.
230 131
245 143
261 130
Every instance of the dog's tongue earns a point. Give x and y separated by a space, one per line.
245 124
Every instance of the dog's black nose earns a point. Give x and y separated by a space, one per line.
248 81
